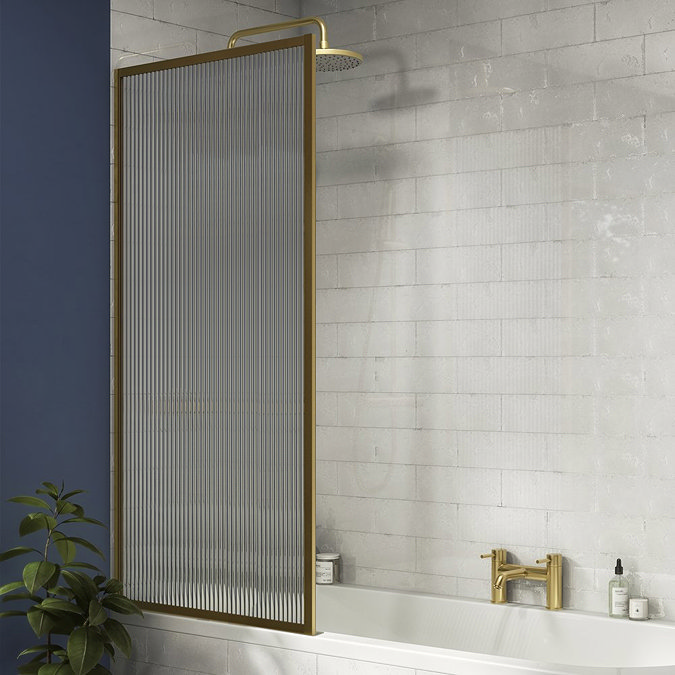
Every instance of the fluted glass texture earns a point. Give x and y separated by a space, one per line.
212 336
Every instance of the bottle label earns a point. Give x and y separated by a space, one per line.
620 601
324 573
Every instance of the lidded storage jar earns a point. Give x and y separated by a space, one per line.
327 568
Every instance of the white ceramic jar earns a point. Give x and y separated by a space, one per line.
327 568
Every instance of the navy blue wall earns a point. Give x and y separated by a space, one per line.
54 261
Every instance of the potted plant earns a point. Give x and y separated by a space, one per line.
67 603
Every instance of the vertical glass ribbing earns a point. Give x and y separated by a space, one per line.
212 330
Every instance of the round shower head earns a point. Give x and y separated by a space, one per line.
330 60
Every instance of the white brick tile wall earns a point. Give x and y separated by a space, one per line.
496 298
596 61
660 52
617 18
543 30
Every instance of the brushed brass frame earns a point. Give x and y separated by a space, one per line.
308 42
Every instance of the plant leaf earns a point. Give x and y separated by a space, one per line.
7 588
120 604
30 668
36 521
31 501
65 547
40 621
84 543
37 574
82 585
84 519
17 550
85 649
12 612
39 648
114 586
97 615
56 669
52 489
22 596
119 635
100 670
60 605
86 566
72 493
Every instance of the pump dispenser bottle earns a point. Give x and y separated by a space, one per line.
618 593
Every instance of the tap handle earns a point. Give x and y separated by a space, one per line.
551 559
546 560
488 555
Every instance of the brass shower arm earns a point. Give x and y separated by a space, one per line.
283 25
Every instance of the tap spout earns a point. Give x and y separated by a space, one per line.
515 573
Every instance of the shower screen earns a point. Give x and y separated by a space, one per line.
214 348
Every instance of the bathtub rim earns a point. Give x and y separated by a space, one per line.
372 650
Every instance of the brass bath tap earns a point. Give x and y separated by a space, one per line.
502 572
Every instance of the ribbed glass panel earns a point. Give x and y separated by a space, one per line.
212 334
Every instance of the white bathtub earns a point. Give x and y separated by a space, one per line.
486 638
376 632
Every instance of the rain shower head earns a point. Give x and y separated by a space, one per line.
330 60
327 60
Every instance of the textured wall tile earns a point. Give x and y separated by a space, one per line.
458 338
544 107
376 339
554 183
459 191
636 95
549 414
458 264
455 485
489 524
660 52
384 481
399 375
140 7
458 118
414 16
326 478
459 411
380 57
326 340
661 133
635 176
374 199
571 26
376 410
596 61
191 652
250 659
332 665
209 15
423 447
464 43
326 134
551 491
346 166
326 271
141 35
618 18
548 260
502 75
395 517
377 128
385 268
472 11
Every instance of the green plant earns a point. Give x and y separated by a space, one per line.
65 599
